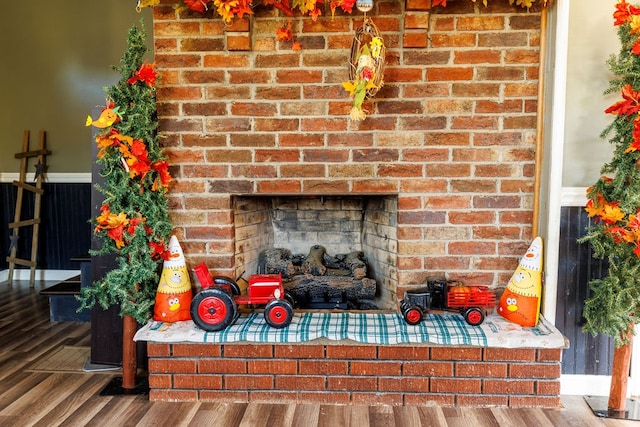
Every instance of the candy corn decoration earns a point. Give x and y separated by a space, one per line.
520 302
173 297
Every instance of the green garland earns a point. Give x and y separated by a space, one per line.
134 222
614 200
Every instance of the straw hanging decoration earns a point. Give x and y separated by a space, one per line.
366 67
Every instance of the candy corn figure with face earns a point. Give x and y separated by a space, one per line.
520 302
173 297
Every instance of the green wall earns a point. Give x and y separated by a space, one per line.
56 60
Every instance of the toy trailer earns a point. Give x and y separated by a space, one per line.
472 302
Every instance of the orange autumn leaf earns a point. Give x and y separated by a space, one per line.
113 138
284 32
107 220
618 233
243 7
634 222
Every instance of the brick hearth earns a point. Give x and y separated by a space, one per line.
355 374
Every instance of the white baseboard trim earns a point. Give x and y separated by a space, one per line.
25 274
594 385
68 178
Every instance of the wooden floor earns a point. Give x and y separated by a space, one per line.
29 397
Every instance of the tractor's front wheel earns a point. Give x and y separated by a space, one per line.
412 315
213 309
278 313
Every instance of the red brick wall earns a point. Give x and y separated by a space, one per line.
452 131
355 374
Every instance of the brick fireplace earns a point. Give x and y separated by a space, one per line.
449 142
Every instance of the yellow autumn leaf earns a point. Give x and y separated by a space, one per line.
612 214
525 3
349 87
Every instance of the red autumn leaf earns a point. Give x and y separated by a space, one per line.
162 168
199 6
623 12
159 250
347 5
283 6
146 74
133 223
139 150
629 105
296 45
116 234
442 3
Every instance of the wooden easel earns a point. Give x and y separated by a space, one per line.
18 223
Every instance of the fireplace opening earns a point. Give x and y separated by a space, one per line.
346 241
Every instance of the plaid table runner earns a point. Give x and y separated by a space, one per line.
361 327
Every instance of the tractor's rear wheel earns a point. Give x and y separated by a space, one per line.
474 316
278 313
213 309
228 281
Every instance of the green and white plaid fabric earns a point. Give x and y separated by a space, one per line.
448 328
368 328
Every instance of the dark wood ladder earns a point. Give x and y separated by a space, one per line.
34 222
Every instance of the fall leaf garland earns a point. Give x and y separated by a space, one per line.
614 200
134 158
229 9
604 206
134 221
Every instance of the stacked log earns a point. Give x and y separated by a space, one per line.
319 280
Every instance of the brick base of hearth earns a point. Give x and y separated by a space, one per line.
345 374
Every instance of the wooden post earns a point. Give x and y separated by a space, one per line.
542 68
620 375
129 357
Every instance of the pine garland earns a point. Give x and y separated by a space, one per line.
134 222
614 200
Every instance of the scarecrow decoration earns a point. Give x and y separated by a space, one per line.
366 67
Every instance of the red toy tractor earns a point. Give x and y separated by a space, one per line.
216 306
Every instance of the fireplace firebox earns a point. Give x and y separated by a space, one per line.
340 225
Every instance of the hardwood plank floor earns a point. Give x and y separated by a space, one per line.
31 398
